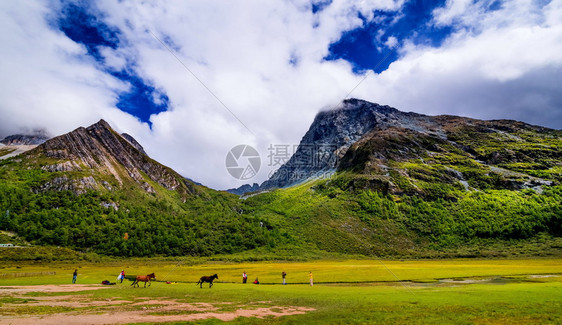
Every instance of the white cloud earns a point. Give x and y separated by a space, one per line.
455 10
264 60
113 59
391 42
245 59
508 68
46 82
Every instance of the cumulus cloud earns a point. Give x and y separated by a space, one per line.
46 81
391 42
504 63
265 62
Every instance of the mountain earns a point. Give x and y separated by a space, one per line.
133 142
365 137
22 139
331 135
478 155
370 179
14 145
95 189
394 184
246 188
117 159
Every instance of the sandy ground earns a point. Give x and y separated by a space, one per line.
19 149
49 288
115 311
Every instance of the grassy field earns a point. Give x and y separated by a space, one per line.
345 292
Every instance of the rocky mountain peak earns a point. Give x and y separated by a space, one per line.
332 133
109 158
17 144
101 124
363 137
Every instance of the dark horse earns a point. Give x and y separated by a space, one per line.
144 278
209 279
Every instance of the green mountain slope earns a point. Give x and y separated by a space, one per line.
93 190
347 214
443 185
403 185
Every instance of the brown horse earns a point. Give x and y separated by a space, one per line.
144 278
209 279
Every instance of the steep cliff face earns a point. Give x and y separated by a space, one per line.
98 151
385 143
333 132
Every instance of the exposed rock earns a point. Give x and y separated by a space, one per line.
113 205
246 188
62 167
103 151
361 137
107 185
192 181
133 142
14 150
23 139
333 132
77 186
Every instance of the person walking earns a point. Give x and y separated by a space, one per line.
244 277
310 277
122 275
74 276
283 274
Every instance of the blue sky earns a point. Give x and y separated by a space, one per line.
367 46
85 25
270 65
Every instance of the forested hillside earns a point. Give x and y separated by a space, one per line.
345 214
94 190
407 186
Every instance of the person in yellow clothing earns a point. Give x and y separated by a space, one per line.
310 276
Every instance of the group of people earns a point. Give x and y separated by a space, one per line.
245 278
120 277
283 276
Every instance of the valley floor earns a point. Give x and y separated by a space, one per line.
466 291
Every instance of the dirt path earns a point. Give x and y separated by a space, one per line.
49 288
118 311
145 317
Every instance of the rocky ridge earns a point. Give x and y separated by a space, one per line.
367 138
22 139
100 151
246 188
333 132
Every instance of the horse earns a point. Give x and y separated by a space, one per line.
209 279
144 278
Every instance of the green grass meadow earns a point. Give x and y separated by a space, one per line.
345 291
